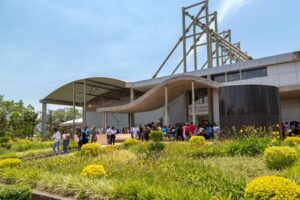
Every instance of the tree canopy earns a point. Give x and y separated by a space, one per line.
17 119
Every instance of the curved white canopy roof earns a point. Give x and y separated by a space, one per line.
155 97
95 87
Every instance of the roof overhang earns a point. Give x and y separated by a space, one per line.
155 97
95 87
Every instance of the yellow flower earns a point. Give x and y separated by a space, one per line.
279 157
91 149
272 187
292 141
197 140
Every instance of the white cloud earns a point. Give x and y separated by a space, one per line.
230 6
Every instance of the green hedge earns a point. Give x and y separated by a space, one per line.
15 192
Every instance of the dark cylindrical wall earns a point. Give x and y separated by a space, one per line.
248 105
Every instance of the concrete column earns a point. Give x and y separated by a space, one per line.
131 115
210 102
105 120
131 94
166 114
44 120
193 103
84 104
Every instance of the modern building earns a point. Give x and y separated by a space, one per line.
231 88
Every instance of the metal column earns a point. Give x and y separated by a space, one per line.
195 45
193 103
184 40
166 114
208 40
44 120
74 111
84 103
217 42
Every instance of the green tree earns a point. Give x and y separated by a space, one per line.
56 117
16 119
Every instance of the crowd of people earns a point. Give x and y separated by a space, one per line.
290 128
176 132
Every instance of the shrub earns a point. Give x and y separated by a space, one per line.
156 136
272 187
292 141
130 142
6 145
90 149
10 162
249 146
4 140
14 192
279 157
156 146
93 171
197 140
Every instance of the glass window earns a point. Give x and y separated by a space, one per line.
254 73
220 78
233 76
200 96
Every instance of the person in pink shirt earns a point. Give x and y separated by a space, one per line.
192 129
186 131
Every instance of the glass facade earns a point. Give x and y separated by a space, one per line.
233 76
254 73
220 78
236 75
200 96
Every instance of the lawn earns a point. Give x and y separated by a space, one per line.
214 170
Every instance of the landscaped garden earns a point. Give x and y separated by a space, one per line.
256 166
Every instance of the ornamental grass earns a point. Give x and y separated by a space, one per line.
10 162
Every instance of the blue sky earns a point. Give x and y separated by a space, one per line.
47 43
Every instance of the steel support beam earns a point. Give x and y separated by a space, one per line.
217 43
208 40
195 46
84 104
184 41
74 109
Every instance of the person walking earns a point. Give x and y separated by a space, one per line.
134 132
93 134
112 135
85 132
66 140
56 137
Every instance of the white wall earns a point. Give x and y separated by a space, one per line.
290 109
